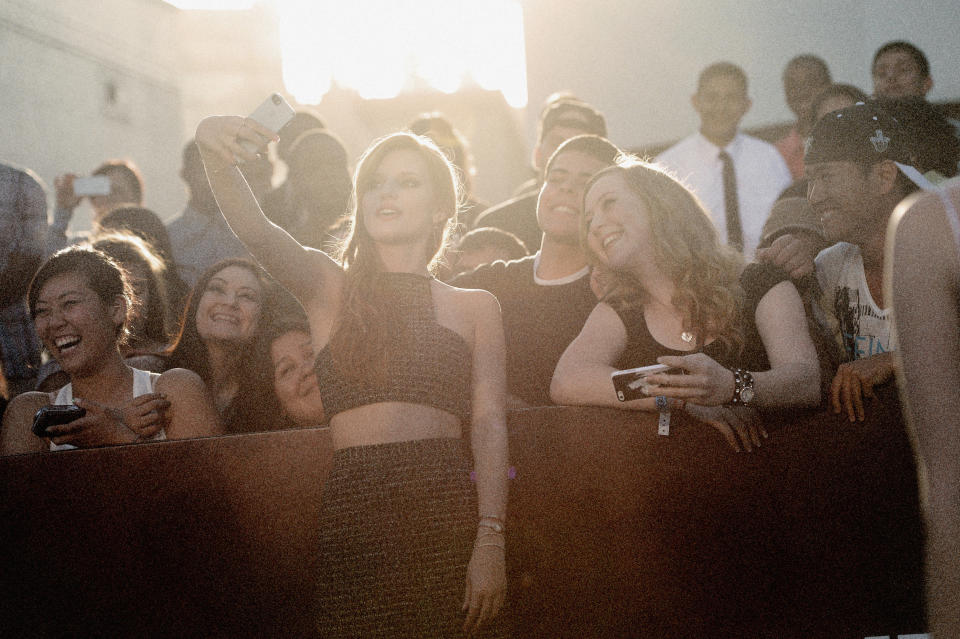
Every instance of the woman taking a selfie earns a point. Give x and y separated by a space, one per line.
408 366
681 299
81 301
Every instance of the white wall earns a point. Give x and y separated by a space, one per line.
57 58
638 60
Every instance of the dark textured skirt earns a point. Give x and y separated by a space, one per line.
397 523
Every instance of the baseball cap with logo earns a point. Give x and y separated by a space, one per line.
865 134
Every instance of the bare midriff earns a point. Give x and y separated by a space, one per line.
389 422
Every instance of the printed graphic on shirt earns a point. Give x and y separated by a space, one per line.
864 332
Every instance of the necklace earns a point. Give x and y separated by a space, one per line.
686 337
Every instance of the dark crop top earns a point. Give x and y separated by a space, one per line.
642 349
430 365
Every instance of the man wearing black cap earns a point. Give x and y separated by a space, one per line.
563 117
859 168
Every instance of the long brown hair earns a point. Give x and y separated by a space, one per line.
686 249
249 409
363 331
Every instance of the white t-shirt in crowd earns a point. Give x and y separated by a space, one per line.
860 327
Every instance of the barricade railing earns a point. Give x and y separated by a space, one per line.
613 531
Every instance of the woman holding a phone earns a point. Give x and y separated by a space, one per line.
681 299
81 302
407 367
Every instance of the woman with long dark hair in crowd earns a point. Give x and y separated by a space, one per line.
80 301
407 366
680 298
227 313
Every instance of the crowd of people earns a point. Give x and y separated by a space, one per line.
407 316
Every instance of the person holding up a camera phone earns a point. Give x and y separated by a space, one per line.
112 184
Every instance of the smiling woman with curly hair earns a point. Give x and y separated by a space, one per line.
680 298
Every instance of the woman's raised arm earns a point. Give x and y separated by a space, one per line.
310 275
583 373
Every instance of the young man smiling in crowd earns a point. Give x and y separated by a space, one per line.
545 298
858 162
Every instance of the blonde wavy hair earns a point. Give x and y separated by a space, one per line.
705 273
364 331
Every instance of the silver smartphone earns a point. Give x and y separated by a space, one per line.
93 185
631 383
273 113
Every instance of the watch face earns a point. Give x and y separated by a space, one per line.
746 395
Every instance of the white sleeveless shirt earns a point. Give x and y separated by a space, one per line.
143 382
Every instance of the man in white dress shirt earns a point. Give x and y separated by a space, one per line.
736 176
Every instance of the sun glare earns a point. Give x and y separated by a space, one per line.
383 47
213 5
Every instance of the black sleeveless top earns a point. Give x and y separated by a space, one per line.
427 364
643 350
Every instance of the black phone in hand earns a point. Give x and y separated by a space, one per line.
54 415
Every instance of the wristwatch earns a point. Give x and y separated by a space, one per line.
742 387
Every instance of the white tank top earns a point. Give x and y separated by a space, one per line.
143 382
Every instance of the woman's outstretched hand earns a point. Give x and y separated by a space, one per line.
221 136
706 383
739 425
486 584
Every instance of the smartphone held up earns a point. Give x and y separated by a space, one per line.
273 113
91 186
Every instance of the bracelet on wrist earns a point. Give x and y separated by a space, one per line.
742 387
492 522
492 545
495 527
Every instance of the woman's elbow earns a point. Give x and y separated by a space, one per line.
808 390
562 388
